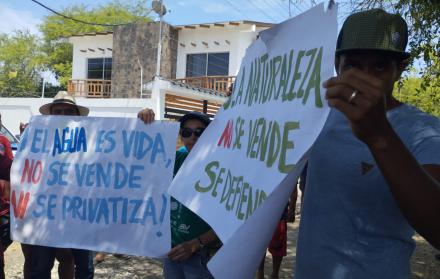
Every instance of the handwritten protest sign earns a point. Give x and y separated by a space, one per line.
94 183
273 117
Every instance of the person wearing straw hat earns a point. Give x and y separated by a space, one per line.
374 172
63 104
39 260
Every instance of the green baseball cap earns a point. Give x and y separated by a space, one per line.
374 30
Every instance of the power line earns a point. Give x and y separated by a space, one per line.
79 20
293 3
297 6
235 8
261 10
273 7
279 5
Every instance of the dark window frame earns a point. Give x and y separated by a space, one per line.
190 73
103 68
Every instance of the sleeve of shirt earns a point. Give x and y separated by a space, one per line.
6 147
427 152
5 168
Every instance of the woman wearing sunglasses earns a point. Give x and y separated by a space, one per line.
190 235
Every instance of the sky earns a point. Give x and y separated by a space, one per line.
25 14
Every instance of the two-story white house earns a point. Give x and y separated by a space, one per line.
198 63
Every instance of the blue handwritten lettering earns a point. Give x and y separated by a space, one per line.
90 175
158 148
121 176
144 145
150 210
110 138
51 204
36 139
103 211
77 204
133 178
134 211
77 141
124 213
80 173
103 175
99 141
66 206
43 211
58 171
127 142
93 209
41 202
164 207
114 204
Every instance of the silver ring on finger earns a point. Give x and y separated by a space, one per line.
352 96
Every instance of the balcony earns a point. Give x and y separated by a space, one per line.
98 88
90 88
217 83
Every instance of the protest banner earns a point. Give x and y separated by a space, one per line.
258 140
94 183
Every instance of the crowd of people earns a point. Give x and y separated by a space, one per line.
373 175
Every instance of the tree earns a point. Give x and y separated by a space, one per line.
427 99
56 27
21 63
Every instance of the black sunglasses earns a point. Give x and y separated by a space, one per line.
187 132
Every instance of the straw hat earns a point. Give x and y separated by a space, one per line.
62 97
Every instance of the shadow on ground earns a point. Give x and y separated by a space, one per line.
423 263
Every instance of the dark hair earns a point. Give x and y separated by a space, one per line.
195 115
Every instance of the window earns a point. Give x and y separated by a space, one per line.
207 64
99 68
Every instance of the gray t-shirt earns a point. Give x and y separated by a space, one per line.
351 226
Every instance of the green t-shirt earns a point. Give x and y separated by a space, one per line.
185 225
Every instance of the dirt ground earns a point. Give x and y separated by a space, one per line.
423 263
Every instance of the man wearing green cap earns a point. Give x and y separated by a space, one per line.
374 171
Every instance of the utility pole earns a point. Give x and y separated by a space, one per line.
42 89
290 13
160 9
142 76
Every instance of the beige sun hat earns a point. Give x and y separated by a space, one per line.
62 97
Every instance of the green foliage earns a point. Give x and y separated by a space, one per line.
55 28
24 56
412 92
21 63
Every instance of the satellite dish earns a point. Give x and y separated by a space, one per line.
158 7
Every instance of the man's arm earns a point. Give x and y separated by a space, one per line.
415 188
185 250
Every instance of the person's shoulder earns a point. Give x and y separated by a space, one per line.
182 150
5 167
415 119
181 153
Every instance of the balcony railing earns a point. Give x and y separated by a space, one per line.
218 83
90 88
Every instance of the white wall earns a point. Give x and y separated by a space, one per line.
239 37
16 110
79 66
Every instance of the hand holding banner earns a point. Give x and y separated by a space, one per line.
75 185
273 117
